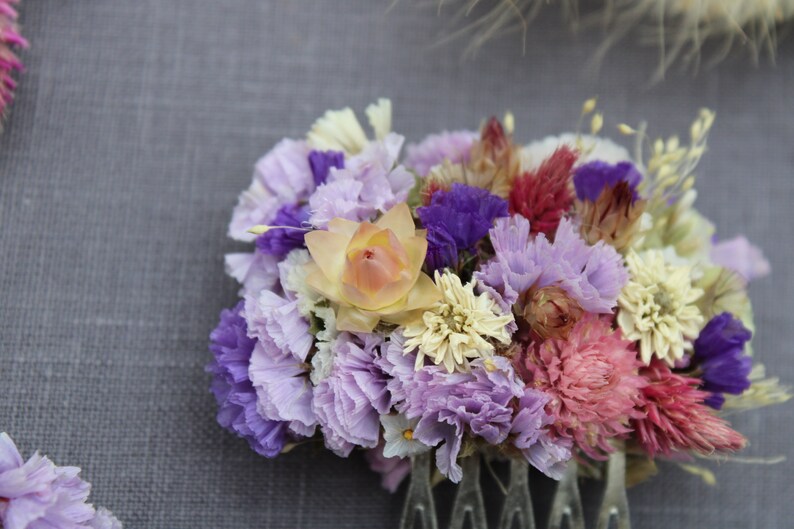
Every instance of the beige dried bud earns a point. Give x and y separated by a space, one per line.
615 217
494 160
551 312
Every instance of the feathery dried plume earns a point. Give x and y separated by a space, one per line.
679 28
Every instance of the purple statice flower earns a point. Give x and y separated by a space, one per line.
276 319
532 436
104 519
283 176
321 163
442 250
451 404
370 183
234 393
392 470
478 402
283 390
739 255
719 354
456 220
591 178
255 271
278 241
278 369
453 146
36 494
9 62
591 275
349 402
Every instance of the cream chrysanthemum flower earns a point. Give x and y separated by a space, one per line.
657 307
457 328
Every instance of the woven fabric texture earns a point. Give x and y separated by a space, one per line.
138 123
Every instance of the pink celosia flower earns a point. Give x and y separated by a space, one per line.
9 39
676 418
593 381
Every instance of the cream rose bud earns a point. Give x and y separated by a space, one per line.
371 272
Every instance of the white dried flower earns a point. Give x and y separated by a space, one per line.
398 432
657 307
457 328
340 130
590 147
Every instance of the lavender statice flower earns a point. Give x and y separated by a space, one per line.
532 436
9 62
591 275
739 255
479 400
321 163
36 494
591 178
453 146
234 393
278 369
719 353
279 241
480 403
255 271
283 176
370 183
349 402
456 220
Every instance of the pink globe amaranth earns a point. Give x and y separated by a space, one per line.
592 378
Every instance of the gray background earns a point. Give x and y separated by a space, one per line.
136 126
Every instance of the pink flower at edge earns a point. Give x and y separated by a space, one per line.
592 378
677 419
10 38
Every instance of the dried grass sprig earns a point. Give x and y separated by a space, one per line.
679 28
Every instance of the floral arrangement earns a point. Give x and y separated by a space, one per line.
543 302
9 63
37 494
678 27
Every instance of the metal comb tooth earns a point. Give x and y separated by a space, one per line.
567 501
566 511
615 505
469 502
419 505
518 502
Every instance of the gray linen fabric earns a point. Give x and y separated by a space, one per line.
136 126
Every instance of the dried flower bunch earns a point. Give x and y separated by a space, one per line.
541 302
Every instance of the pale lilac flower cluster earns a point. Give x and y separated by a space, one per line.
591 275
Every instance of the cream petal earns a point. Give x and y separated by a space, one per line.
416 248
316 279
327 250
343 226
424 293
399 220
352 319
